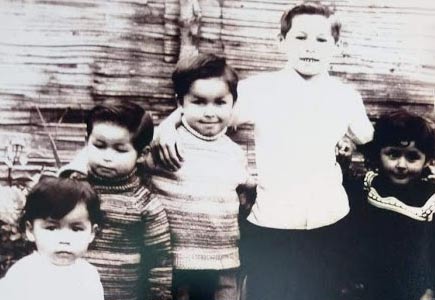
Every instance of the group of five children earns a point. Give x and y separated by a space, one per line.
170 213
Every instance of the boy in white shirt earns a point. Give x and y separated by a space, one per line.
293 237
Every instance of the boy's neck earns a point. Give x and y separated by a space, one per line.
307 78
112 180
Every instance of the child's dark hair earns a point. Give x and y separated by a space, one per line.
309 8
202 66
125 114
54 197
397 128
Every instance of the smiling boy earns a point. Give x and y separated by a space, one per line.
201 197
293 235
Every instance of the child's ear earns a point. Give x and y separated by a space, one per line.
94 230
29 232
280 40
142 156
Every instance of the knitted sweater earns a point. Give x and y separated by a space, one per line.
202 203
394 237
132 251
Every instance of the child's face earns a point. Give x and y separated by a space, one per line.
208 106
309 44
110 150
402 164
63 241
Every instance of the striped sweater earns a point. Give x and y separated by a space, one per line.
202 203
132 251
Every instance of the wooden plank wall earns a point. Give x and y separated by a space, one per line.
60 57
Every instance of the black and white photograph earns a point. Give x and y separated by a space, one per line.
217 150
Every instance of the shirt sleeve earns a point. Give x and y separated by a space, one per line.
157 258
360 128
244 107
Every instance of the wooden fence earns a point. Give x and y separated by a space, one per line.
58 58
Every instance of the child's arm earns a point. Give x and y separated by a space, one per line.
164 142
360 129
157 256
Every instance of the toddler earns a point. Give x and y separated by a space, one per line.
393 207
60 217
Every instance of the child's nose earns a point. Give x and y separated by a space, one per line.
401 163
209 111
107 155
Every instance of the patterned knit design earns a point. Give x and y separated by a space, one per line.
132 251
202 204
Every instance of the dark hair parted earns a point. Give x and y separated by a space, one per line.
202 66
125 114
397 129
54 197
309 8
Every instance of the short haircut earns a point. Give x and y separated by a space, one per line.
125 114
202 66
54 197
400 126
309 8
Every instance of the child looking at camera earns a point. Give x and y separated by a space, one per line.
395 232
293 238
132 253
60 217
201 197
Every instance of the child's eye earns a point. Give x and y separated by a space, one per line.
221 102
99 145
198 101
322 40
121 149
413 156
393 154
301 37
77 228
50 227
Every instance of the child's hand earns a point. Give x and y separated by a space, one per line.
247 195
428 295
343 152
165 146
345 148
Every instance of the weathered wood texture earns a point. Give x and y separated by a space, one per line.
63 56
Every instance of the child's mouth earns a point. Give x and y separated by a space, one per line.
64 254
308 59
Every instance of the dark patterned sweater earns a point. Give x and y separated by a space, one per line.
393 237
132 252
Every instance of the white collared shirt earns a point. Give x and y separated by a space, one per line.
297 125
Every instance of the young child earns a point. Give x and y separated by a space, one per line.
201 198
132 253
293 234
395 233
60 216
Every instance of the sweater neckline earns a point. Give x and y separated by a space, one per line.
419 213
122 183
199 135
